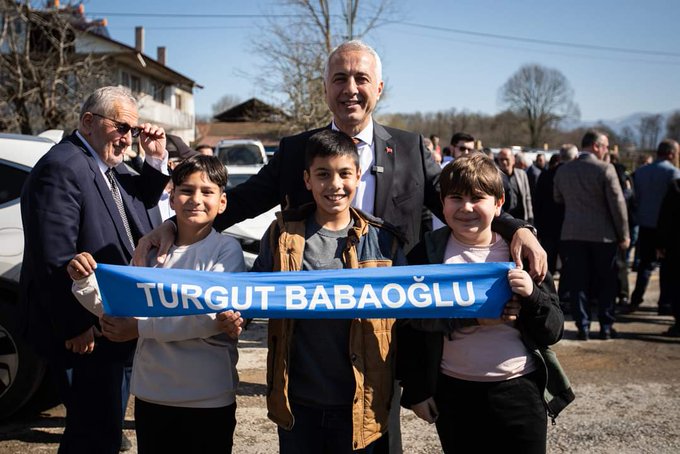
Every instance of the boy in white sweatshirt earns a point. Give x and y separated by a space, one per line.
184 375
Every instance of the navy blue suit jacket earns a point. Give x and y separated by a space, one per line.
67 208
406 179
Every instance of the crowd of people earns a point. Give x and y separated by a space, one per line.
353 195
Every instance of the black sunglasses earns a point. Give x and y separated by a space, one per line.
121 128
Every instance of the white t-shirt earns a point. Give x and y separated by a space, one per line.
484 353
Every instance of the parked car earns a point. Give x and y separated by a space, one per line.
241 152
250 231
21 370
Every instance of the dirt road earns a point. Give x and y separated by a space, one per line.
628 397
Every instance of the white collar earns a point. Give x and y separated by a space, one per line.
365 135
102 166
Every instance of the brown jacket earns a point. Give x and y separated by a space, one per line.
371 346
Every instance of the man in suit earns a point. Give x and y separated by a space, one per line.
80 197
595 225
518 201
398 174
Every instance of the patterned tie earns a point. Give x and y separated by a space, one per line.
119 204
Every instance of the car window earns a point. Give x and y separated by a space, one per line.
11 181
240 155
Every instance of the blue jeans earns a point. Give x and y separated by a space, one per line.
646 266
319 430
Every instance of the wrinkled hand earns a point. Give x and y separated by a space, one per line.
84 342
426 410
152 140
119 329
525 245
160 238
81 266
230 322
520 282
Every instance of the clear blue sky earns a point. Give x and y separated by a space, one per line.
436 65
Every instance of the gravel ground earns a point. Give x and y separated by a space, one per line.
627 397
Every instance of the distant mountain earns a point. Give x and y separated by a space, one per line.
618 124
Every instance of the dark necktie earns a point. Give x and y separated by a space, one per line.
119 204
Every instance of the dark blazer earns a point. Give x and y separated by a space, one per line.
67 208
406 179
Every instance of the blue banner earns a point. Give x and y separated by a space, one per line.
422 291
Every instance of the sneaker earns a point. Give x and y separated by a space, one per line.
125 443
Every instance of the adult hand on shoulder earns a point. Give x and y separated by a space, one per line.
160 238
81 266
84 342
525 245
426 410
152 140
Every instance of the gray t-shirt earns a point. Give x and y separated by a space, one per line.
321 372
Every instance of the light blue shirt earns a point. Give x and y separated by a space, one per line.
651 183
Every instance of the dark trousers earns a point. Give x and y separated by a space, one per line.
509 414
646 252
91 392
551 244
591 272
319 431
164 429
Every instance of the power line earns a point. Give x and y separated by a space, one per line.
409 24
541 41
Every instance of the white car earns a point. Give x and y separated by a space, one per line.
21 371
250 231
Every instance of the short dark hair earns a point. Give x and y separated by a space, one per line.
590 138
471 174
210 165
666 148
327 143
202 145
465 137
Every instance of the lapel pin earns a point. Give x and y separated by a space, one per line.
388 150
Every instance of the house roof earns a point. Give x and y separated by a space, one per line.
252 110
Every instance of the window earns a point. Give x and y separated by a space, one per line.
130 81
12 180
158 91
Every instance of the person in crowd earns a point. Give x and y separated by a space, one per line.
436 146
178 152
668 246
169 391
651 183
398 174
322 399
548 214
81 197
204 149
533 171
462 143
463 374
540 162
519 202
626 182
595 225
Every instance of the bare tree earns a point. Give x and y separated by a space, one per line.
649 130
295 49
673 126
540 95
224 103
42 79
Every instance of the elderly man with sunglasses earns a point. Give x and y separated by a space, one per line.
81 198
